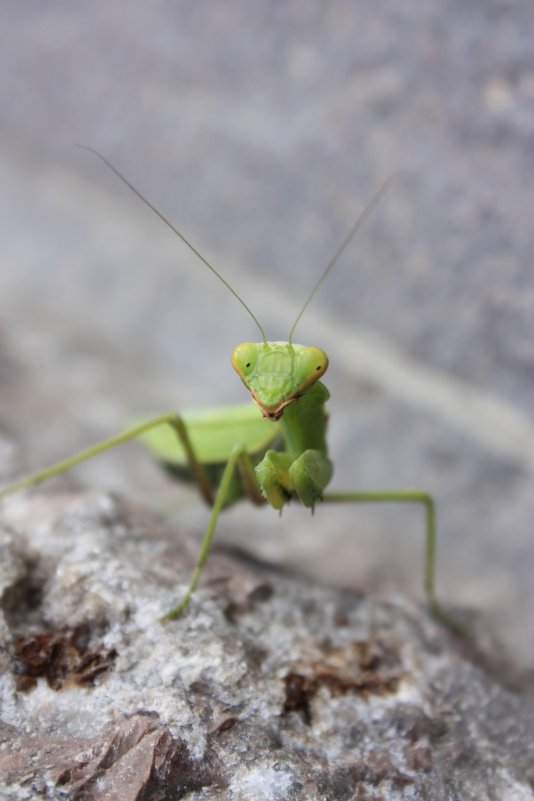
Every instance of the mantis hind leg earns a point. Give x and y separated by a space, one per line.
239 459
427 502
170 418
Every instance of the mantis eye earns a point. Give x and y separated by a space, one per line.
244 358
312 363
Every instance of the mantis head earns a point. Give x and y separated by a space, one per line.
277 373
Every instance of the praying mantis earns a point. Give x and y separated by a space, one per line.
270 451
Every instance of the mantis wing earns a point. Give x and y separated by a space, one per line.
213 433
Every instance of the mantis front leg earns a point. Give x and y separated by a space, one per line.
305 477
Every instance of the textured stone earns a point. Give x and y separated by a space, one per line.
269 687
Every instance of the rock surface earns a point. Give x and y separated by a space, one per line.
269 687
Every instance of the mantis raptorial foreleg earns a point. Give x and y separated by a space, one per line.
305 477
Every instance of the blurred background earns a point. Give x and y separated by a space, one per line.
261 130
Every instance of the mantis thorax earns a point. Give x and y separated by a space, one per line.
277 373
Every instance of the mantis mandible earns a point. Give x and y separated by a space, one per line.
269 451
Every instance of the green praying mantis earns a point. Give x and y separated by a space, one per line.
269 451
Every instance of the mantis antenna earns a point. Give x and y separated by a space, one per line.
355 228
174 230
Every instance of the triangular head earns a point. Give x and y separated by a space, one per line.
277 373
